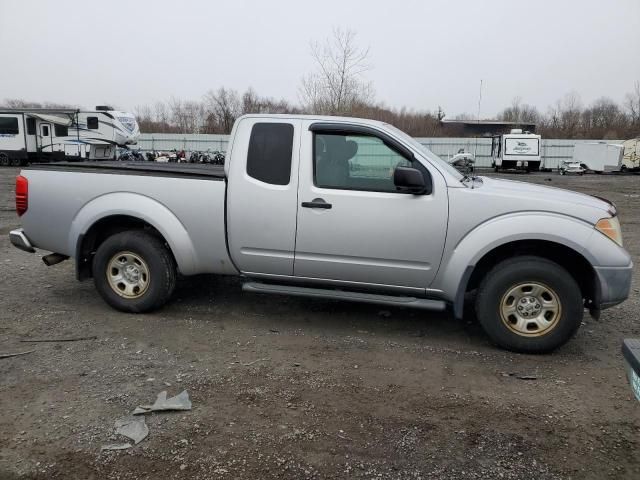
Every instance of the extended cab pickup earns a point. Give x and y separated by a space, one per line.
338 208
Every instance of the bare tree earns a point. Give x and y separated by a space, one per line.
222 107
520 112
20 103
632 104
338 84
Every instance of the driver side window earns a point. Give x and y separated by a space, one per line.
355 162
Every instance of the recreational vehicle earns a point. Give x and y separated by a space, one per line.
33 135
631 155
516 150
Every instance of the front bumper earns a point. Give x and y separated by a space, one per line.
20 240
614 284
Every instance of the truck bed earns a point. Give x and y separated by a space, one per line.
184 202
208 171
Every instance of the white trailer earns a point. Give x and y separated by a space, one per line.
598 156
45 135
516 150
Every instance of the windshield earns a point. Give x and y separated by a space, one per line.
428 153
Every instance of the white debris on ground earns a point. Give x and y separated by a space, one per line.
179 402
135 427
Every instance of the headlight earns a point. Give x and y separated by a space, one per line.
611 228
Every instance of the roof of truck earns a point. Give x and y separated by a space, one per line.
322 118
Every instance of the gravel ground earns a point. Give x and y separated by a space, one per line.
299 388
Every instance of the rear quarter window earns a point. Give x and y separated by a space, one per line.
270 150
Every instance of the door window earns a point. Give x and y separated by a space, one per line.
45 130
270 150
355 162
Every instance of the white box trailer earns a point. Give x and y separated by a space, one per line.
598 156
516 150
45 135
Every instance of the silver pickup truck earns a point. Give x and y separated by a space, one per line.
337 208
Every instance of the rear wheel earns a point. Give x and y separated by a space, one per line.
16 162
134 271
529 304
4 160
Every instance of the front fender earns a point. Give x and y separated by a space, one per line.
143 208
580 236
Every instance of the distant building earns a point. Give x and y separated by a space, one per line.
482 128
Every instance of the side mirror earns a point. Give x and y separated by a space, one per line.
411 180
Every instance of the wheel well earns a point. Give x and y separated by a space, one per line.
89 242
577 266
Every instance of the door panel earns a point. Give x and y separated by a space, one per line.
262 199
370 237
46 139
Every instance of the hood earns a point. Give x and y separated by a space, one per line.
529 196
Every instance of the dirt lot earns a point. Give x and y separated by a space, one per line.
298 388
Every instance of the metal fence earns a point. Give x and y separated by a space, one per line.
554 152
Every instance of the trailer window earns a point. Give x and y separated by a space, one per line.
31 126
9 126
92 123
270 149
61 130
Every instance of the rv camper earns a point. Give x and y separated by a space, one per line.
598 156
516 150
34 135
631 155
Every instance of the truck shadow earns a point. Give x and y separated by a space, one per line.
223 296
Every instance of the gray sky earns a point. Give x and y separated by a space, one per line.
423 53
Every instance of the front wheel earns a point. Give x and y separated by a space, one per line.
529 304
134 271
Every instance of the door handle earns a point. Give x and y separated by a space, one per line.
317 203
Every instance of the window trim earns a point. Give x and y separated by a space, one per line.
364 131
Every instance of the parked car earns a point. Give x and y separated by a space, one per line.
571 168
334 208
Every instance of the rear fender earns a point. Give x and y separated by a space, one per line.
143 208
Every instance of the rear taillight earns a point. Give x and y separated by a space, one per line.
22 194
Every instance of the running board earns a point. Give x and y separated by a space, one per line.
396 301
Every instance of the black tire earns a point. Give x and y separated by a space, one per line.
157 259
4 160
15 162
501 279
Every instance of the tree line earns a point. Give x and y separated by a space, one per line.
338 86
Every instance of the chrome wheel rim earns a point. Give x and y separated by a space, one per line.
128 275
530 309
